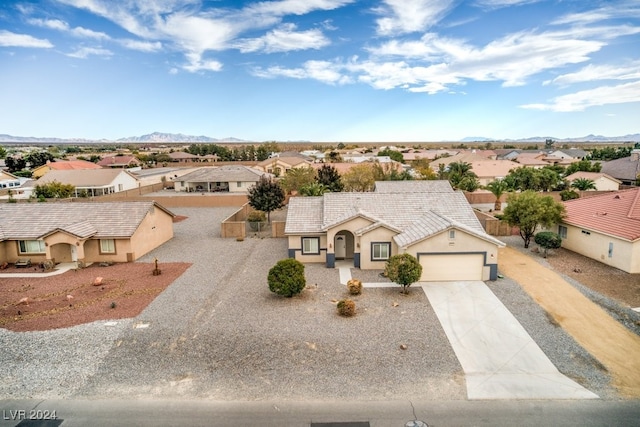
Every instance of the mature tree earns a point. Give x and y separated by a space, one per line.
497 188
38 158
393 154
296 178
360 177
329 177
529 210
549 143
459 172
286 278
3 152
548 240
15 164
313 190
334 157
583 166
54 189
583 184
469 183
526 178
389 172
266 196
403 269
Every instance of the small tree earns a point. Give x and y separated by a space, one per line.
329 177
55 189
360 177
583 184
403 269
296 178
266 196
548 240
497 188
286 278
528 210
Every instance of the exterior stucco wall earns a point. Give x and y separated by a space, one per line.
295 249
155 229
462 243
379 235
92 251
12 253
128 182
240 186
605 184
624 256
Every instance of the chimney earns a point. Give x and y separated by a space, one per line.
635 155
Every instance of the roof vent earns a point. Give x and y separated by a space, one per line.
617 196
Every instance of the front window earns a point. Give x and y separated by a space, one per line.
380 251
32 246
107 246
310 245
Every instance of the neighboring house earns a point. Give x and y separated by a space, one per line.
426 219
344 167
9 181
93 182
461 157
163 174
490 170
82 232
602 181
569 153
605 228
280 165
63 165
122 162
228 179
182 157
531 159
626 169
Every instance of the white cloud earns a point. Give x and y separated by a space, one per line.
294 7
85 52
407 16
197 64
142 46
603 95
625 10
7 38
285 39
324 71
56 24
504 3
593 72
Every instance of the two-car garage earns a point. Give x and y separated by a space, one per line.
451 267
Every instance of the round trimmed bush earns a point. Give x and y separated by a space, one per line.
286 278
354 286
346 307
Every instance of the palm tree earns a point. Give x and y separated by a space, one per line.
497 188
583 184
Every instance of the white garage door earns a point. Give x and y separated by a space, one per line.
446 268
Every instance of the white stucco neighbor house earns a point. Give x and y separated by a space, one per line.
602 181
605 228
225 179
426 219
93 182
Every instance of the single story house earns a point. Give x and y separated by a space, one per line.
93 182
63 165
605 228
121 162
226 179
602 181
82 232
9 181
426 219
625 169
569 153
279 166
182 157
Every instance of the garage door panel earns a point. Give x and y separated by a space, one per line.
451 267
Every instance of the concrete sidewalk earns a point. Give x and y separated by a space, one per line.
499 358
63 267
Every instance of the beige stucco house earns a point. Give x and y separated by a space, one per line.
605 228
225 179
602 181
63 165
93 182
279 166
82 232
424 218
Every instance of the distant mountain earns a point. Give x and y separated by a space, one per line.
176 137
476 139
538 139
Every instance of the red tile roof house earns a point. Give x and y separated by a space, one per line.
426 219
82 232
605 228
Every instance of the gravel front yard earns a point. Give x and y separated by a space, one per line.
217 332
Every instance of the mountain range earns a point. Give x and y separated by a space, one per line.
160 137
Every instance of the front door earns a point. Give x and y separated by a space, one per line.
74 253
341 246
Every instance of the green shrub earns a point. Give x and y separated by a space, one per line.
286 278
403 269
569 195
548 240
256 216
346 307
354 286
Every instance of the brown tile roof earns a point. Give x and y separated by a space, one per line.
118 161
625 168
616 213
227 173
73 165
590 175
30 221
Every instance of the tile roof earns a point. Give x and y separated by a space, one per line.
72 164
590 175
434 186
400 210
615 213
624 168
228 173
118 161
493 168
22 221
289 160
83 178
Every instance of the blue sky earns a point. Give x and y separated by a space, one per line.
320 70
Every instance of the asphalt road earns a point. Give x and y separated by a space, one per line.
99 413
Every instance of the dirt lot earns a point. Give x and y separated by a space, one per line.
71 298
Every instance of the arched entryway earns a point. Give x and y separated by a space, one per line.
64 252
344 245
